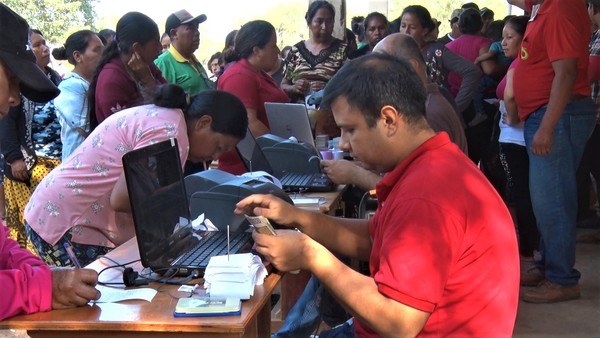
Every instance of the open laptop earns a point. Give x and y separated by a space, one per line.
255 160
167 241
290 119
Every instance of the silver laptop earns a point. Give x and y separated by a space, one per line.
290 119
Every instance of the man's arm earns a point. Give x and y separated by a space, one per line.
565 74
359 294
347 172
384 315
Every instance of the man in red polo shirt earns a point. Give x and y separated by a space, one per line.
442 247
552 92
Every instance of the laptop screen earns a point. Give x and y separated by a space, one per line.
253 157
159 203
290 119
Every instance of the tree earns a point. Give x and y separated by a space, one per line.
55 18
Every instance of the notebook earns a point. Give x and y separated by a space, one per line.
255 160
167 241
290 119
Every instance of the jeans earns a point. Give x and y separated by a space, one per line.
345 330
314 305
303 318
553 187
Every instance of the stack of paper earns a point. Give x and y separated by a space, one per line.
234 275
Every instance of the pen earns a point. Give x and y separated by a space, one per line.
228 242
71 255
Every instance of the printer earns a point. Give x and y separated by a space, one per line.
289 155
215 193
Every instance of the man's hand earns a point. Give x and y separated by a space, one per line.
269 206
541 145
290 250
340 171
73 287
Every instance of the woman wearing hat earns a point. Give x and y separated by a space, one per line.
28 285
30 144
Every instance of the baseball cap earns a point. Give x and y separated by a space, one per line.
182 17
17 55
455 14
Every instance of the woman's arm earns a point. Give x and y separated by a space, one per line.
469 73
489 66
26 280
119 197
256 126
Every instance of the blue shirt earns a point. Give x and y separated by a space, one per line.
71 109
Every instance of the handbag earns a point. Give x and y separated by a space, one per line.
30 159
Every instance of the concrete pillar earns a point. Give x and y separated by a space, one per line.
380 6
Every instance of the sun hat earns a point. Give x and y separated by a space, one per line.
16 53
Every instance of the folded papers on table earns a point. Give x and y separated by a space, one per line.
234 276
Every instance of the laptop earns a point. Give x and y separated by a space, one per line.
167 241
255 160
290 119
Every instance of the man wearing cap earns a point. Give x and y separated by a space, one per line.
28 284
455 32
178 64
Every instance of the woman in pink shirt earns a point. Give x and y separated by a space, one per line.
29 285
83 204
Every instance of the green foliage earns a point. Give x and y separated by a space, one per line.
55 18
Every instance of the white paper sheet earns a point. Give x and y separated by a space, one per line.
112 295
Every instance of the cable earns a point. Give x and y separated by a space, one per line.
117 265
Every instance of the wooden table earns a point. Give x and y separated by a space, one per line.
138 318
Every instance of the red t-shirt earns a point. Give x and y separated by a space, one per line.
559 30
117 90
254 88
444 243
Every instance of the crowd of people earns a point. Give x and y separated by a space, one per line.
479 145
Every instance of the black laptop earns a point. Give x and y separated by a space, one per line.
167 241
255 160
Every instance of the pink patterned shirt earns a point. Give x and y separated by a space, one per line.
76 194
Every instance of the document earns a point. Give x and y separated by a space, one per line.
113 295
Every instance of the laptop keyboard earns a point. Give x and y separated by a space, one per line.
295 181
214 243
